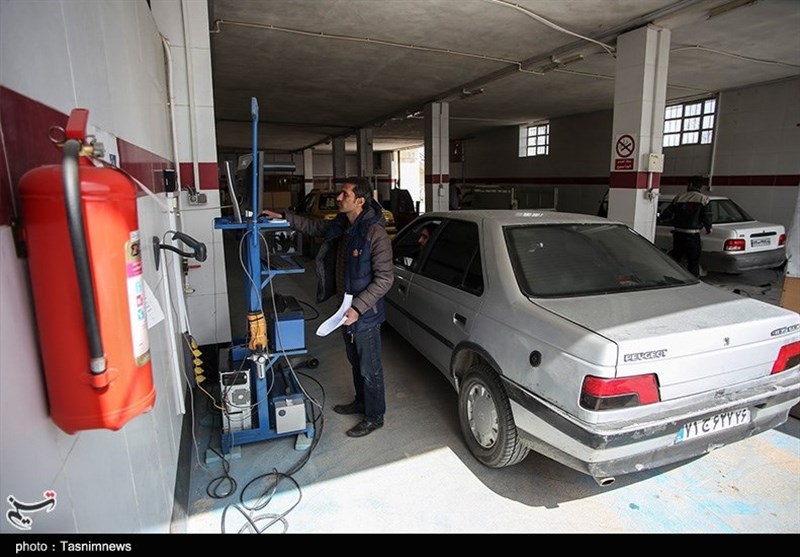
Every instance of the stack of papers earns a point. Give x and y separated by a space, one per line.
337 319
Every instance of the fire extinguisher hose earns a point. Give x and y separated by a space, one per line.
72 197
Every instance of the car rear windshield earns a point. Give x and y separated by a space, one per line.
725 211
585 259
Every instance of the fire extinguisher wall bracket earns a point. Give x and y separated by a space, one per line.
18 232
103 380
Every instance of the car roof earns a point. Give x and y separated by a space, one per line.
670 197
505 217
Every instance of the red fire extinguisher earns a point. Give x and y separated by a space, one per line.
82 236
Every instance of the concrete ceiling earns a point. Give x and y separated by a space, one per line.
325 68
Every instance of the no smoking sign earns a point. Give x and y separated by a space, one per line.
624 148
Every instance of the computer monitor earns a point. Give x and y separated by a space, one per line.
237 212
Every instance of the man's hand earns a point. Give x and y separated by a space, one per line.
271 214
350 316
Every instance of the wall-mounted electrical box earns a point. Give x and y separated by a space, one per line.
655 162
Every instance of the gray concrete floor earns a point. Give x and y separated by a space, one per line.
415 475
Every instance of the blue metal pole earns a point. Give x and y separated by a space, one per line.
253 244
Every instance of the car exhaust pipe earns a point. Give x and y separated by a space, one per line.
604 482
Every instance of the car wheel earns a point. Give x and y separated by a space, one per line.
486 419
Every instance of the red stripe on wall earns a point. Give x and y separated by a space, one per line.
437 178
546 180
209 175
729 180
633 180
143 165
5 189
25 131
738 180
25 125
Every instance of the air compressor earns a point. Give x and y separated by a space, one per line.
82 237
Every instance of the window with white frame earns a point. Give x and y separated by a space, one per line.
690 123
534 139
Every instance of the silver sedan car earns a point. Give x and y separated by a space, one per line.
574 336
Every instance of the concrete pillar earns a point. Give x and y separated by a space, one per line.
308 170
339 161
437 157
636 151
364 146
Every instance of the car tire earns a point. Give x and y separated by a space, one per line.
487 423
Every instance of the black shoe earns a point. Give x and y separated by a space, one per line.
347 409
364 427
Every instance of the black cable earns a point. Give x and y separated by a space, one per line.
213 487
272 517
318 420
316 313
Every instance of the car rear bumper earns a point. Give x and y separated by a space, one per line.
738 263
609 450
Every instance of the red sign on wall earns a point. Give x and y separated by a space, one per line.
623 164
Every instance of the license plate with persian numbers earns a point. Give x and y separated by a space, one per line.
713 424
759 242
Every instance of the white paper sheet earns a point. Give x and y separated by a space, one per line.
151 306
337 319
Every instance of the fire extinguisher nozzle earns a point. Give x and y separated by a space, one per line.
98 365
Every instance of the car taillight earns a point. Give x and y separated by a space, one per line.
781 239
734 245
608 394
788 357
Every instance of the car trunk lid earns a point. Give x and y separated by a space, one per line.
695 338
757 236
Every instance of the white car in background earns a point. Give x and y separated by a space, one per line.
737 242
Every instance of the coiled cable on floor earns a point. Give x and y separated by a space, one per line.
253 521
214 486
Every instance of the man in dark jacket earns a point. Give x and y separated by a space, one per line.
356 258
692 214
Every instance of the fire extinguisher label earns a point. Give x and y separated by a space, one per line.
133 264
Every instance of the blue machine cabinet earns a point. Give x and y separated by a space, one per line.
274 392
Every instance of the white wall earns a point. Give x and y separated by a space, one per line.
758 136
193 99
323 164
107 57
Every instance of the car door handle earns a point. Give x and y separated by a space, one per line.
401 289
460 319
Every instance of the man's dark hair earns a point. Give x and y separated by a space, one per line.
695 182
362 187
429 226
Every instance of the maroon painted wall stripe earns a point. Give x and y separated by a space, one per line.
548 180
722 180
209 175
26 122
437 178
5 189
637 180
143 165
